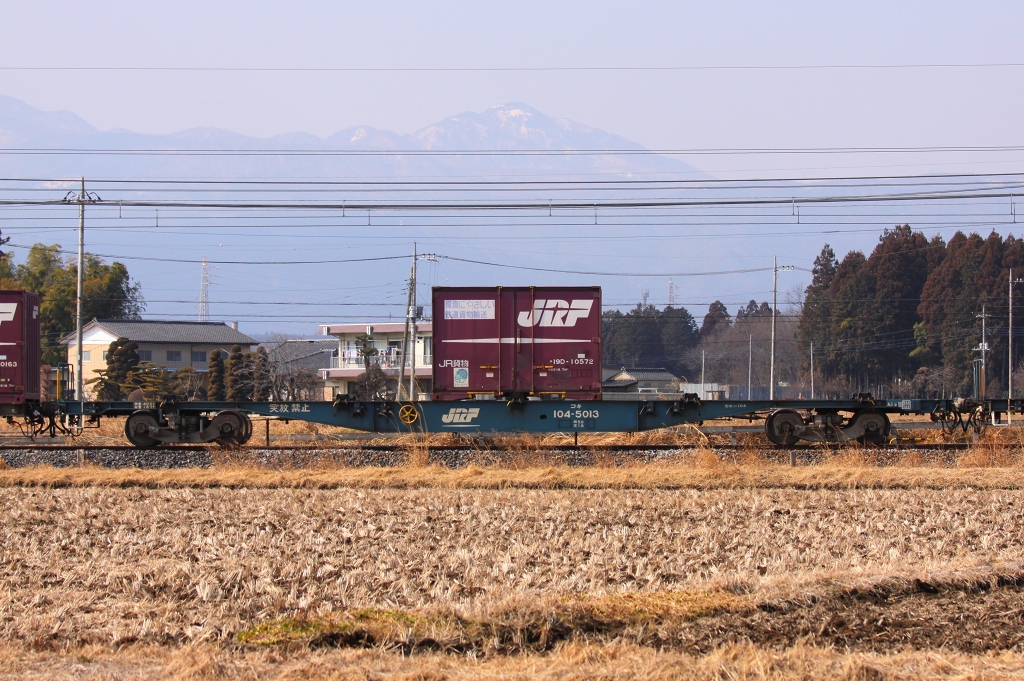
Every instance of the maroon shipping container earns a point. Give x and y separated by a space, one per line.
19 348
517 341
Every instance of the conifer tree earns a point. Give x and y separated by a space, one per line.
233 375
216 389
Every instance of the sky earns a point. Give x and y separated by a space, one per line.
706 75
659 109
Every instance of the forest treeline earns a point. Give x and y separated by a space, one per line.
905 320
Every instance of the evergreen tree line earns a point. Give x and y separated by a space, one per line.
909 315
243 377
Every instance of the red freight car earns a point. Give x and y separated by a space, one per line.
19 349
515 342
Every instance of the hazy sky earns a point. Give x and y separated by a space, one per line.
689 109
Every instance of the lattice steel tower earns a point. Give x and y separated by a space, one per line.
204 290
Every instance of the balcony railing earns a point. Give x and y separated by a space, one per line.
392 360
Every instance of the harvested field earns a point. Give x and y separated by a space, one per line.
728 572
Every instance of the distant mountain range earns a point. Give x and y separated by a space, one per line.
513 126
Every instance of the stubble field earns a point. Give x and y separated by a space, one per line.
697 570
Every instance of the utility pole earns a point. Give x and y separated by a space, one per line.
1009 381
775 313
812 371
983 348
412 350
702 393
82 198
408 315
750 365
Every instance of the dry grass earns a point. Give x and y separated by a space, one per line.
709 571
113 566
571 663
697 470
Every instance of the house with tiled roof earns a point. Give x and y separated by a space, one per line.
173 344
639 379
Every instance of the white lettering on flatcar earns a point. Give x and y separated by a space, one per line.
556 313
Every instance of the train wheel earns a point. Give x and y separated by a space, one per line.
876 427
781 426
231 428
246 428
136 429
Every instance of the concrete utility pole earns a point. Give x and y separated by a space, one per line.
405 337
984 349
412 350
1009 378
82 198
79 395
775 312
703 394
750 365
812 371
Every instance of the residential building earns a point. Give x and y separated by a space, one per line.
640 380
172 344
387 339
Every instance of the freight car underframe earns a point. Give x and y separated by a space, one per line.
787 422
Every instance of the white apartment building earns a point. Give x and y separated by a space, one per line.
388 339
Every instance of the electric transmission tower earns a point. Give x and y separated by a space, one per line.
671 292
204 291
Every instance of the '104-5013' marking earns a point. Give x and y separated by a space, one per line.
576 411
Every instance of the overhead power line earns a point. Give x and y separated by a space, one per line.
546 205
874 180
398 257
517 69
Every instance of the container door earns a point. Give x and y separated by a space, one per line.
525 350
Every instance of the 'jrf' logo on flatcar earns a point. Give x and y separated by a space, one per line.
460 415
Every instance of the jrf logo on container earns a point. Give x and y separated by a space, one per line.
460 415
7 311
556 313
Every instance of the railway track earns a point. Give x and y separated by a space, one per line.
355 454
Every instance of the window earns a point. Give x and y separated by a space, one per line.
174 355
87 355
199 356
145 355
105 355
